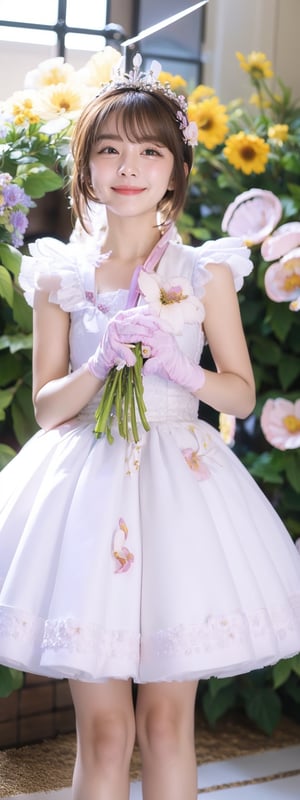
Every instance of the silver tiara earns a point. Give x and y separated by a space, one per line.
149 82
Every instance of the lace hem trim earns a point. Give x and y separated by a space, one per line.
212 634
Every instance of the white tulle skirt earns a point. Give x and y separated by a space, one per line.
158 561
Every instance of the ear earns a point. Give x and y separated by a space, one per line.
186 169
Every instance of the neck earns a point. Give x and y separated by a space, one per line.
130 239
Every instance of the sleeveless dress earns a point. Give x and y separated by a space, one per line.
160 560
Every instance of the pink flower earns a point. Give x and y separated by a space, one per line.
282 280
121 554
280 423
284 239
196 463
252 215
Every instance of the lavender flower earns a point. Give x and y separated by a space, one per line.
14 208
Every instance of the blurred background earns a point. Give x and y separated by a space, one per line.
201 47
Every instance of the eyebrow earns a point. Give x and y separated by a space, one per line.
117 138
102 136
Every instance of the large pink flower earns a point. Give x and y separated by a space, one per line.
284 239
252 215
282 280
280 423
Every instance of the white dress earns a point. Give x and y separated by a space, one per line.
160 560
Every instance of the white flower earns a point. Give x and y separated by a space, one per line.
50 72
171 300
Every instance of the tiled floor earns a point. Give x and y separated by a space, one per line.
214 779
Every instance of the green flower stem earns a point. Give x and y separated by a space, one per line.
104 409
119 403
122 397
133 421
126 402
139 389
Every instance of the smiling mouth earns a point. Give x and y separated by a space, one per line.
127 190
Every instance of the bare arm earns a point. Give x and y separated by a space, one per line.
232 388
57 394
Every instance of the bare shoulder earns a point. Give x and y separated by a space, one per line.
221 286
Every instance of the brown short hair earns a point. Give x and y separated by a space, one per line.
142 114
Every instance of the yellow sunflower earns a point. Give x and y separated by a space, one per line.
247 152
256 99
201 92
278 133
177 83
211 119
256 64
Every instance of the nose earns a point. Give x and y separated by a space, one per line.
128 166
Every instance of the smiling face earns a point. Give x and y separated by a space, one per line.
129 176
130 139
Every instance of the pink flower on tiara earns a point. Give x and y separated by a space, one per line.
190 134
188 129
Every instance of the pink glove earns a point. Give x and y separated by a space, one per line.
170 363
124 329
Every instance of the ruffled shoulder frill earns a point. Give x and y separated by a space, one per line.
230 251
56 268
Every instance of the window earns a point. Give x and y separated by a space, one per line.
178 46
66 24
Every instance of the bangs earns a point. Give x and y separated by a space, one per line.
141 116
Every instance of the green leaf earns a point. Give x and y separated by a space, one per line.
41 180
216 685
294 190
288 370
214 707
6 455
10 680
281 672
10 258
22 313
267 466
11 368
6 397
281 319
15 342
295 664
266 351
292 469
292 688
6 286
291 163
264 708
250 311
22 414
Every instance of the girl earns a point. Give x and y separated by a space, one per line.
157 560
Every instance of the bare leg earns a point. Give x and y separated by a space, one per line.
105 739
165 730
